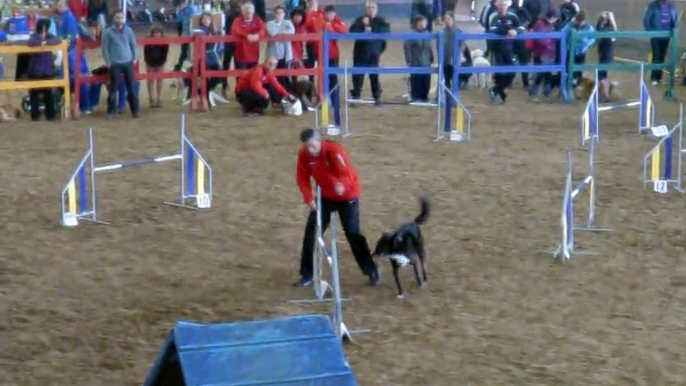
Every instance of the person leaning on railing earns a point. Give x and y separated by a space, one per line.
281 50
660 15
42 67
584 44
248 28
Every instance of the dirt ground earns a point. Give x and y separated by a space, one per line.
91 305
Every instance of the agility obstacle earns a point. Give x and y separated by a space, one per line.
566 248
659 163
79 197
591 115
328 256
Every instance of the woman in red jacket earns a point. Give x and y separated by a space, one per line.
328 164
313 16
249 29
258 87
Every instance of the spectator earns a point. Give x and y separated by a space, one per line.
119 53
418 53
283 50
430 9
42 66
568 11
291 5
213 51
69 29
185 16
488 12
333 23
231 12
521 52
248 28
314 17
367 53
506 24
544 50
298 18
255 90
449 31
97 15
580 24
661 15
606 51
155 56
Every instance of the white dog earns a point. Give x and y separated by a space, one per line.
478 60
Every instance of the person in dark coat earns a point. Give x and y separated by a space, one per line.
505 23
367 53
155 56
660 15
231 12
42 66
522 53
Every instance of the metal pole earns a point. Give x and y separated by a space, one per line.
182 192
91 150
337 304
346 107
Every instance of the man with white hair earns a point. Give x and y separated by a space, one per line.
249 28
367 53
506 24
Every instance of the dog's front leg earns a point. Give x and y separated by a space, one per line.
396 277
416 274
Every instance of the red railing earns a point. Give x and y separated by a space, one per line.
199 72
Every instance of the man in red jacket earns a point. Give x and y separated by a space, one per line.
328 164
249 29
258 87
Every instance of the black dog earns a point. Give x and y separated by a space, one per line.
405 246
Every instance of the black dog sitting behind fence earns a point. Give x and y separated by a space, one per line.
405 246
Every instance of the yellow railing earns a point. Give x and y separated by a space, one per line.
34 84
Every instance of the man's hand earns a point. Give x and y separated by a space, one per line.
512 33
253 37
338 187
365 21
367 29
312 205
291 98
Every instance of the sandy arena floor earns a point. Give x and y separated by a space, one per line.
91 306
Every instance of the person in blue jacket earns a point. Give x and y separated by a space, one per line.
584 44
660 15
432 10
213 51
185 15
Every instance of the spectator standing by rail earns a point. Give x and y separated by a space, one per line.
660 15
119 52
313 18
580 24
185 16
418 53
155 56
367 53
328 164
42 66
283 50
544 50
232 9
248 28
506 24
606 51
521 52
298 18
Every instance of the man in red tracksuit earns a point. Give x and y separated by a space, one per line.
328 164
258 87
249 29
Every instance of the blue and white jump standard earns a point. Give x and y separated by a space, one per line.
79 197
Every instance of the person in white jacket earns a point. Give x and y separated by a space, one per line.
281 50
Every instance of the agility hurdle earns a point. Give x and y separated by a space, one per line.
323 120
658 164
343 127
566 249
324 256
457 125
590 127
79 196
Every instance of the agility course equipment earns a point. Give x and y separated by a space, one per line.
325 113
566 248
79 196
299 350
590 127
328 256
658 164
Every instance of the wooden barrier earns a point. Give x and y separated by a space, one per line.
34 84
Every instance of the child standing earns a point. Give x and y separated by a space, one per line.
544 51
155 56
606 51
418 53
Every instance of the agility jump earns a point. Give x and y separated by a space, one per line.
328 256
659 163
590 129
566 249
79 196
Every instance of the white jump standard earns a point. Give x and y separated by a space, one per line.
79 198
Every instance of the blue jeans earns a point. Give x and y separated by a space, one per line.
543 79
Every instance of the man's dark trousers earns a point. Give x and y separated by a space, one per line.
349 212
660 47
358 79
116 71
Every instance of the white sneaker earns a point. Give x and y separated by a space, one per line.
655 83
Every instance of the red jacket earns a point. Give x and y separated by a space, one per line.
330 166
79 8
336 25
247 52
256 79
298 46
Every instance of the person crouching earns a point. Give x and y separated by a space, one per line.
418 53
258 87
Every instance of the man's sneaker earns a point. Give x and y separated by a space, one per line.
304 282
655 83
375 278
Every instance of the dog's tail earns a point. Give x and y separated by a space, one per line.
425 210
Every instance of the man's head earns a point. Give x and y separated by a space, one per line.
312 140
448 19
580 18
313 4
271 63
248 10
298 16
279 13
118 18
329 12
419 22
551 16
61 6
503 5
372 9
